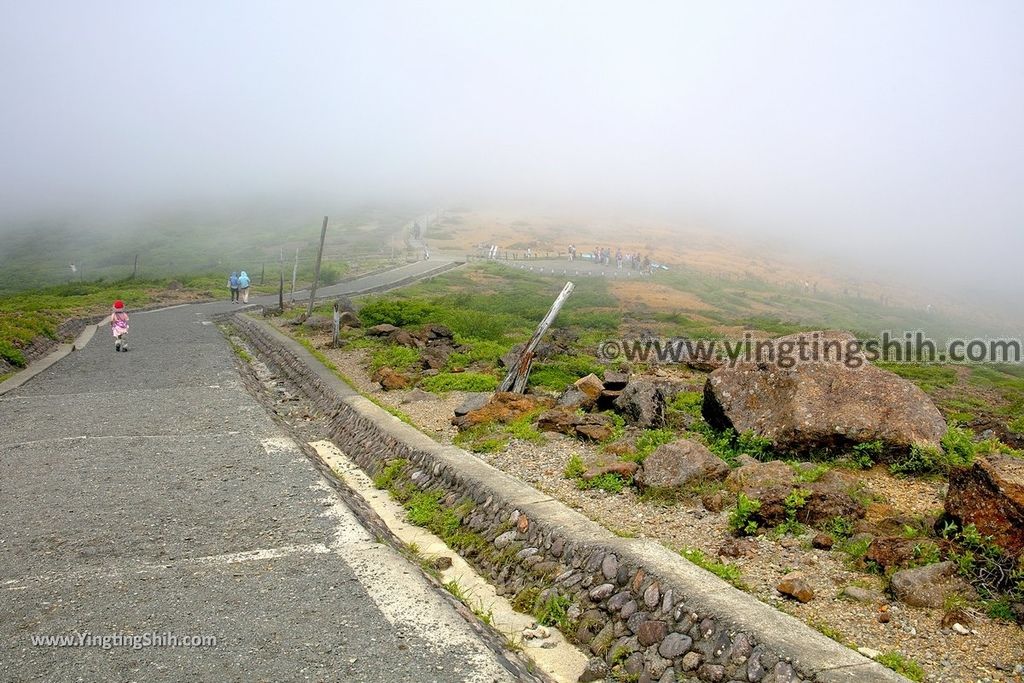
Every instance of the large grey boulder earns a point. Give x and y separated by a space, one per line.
642 403
822 403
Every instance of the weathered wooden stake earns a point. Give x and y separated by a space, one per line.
135 268
519 372
316 270
280 286
295 271
336 328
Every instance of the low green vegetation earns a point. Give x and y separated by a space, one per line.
723 570
902 665
492 437
399 358
459 381
28 315
742 520
958 450
555 612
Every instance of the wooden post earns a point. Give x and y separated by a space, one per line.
135 268
280 286
295 271
263 271
316 269
519 372
336 327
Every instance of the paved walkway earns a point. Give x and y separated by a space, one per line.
145 492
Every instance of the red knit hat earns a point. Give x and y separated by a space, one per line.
118 304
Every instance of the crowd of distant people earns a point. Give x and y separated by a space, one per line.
603 255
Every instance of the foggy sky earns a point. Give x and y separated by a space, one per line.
880 131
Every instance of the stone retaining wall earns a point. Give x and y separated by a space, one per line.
630 602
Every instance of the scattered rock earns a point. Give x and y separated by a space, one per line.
926 586
735 548
596 427
403 338
795 585
891 552
822 404
714 501
990 495
624 446
349 319
441 563
382 330
502 407
652 632
615 381
472 402
680 463
642 403
390 380
418 394
961 629
584 393
822 542
595 670
869 653
622 468
865 595
318 323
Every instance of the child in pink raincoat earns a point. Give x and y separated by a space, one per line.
119 326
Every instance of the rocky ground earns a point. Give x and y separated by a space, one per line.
981 650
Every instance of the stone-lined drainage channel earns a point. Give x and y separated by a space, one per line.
545 647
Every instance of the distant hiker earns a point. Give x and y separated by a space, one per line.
618 259
243 286
119 326
233 286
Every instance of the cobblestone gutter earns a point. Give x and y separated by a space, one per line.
631 602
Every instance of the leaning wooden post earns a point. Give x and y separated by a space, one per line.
337 325
519 372
316 269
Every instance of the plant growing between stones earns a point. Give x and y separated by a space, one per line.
741 519
723 570
555 612
902 665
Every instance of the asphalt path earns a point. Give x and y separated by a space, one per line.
146 495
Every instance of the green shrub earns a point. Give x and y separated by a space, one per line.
838 528
689 402
866 454
923 459
575 468
395 357
459 381
399 312
561 371
555 612
741 519
387 474
609 481
648 441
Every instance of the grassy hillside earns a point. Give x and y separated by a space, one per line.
40 254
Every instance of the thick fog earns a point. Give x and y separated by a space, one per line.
891 134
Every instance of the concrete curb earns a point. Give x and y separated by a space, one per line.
725 626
